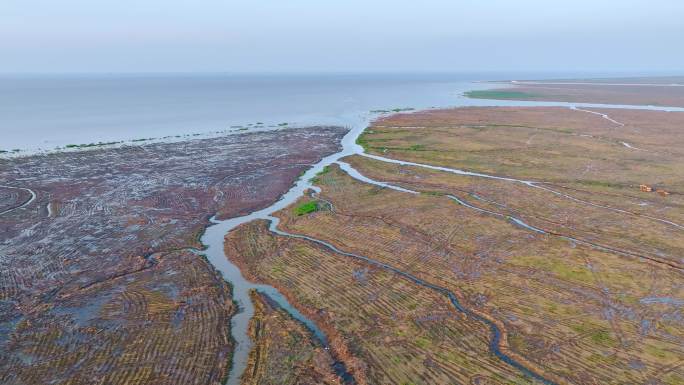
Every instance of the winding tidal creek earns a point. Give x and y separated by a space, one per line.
213 239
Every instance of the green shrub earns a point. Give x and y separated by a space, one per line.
306 208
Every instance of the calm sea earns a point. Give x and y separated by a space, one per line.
44 112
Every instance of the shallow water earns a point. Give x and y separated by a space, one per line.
45 112
50 111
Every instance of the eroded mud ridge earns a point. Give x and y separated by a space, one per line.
100 279
284 351
560 245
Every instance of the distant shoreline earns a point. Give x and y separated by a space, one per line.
656 91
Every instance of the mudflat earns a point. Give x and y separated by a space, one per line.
101 277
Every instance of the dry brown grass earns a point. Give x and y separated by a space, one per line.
573 311
393 330
284 352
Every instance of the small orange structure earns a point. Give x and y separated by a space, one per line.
662 192
645 188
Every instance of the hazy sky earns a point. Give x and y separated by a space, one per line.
342 35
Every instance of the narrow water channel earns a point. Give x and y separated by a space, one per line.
28 202
213 239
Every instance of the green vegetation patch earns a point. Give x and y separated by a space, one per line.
433 193
362 141
603 337
422 342
598 334
306 208
317 178
496 94
393 110
563 269
98 144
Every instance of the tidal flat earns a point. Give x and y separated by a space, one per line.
482 245
558 234
101 274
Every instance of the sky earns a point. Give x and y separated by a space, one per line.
45 36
